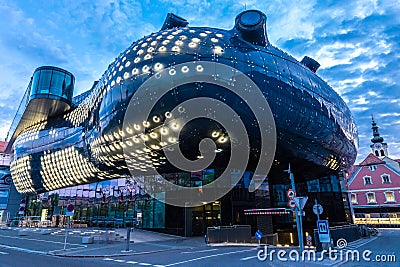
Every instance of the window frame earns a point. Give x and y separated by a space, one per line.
370 179
355 198
366 195
388 176
390 201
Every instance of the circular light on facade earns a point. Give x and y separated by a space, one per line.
127 75
172 139
153 135
146 69
162 49
176 49
136 127
199 68
175 126
192 45
218 50
164 131
168 114
137 60
185 69
127 64
165 42
144 137
135 140
154 43
215 134
140 52
156 119
155 147
203 34
172 72
118 79
158 66
222 139
196 40
146 124
179 43
150 50
121 68
182 37
135 71
214 40
219 35
147 57
144 44
169 37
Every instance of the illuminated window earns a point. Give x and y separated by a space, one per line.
354 198
367 180
385 179
371 197
389 196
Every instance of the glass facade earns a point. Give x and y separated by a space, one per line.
52 82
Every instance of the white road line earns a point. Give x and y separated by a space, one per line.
158 265
24 249
144 264
208 256
40 240
200 251
132 262
119 260
248 258
108 259
3 253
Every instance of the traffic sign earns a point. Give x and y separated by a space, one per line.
300 202
258 235
323 231
317 209
292 204
291 194
70 210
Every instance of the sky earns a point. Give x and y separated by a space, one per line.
356 42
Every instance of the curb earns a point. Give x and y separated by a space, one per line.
111 255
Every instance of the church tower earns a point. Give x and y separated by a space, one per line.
379 148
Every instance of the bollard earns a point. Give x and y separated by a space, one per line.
128 238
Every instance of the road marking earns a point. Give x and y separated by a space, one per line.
248 258
108 259
201 251
132 262
144 264
24 249
158 265
119 260
208 256
40 240
3 253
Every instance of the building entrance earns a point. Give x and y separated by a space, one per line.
205 216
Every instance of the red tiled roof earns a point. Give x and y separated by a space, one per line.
3 146
370 160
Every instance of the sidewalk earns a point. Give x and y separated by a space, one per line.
141 242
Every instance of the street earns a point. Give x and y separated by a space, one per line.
33 251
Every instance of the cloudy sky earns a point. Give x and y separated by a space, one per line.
357 43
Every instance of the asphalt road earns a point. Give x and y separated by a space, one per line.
386 244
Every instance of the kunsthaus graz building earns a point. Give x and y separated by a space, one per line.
72 149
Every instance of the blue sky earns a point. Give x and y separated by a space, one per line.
356 42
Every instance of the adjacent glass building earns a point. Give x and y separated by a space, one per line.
70 149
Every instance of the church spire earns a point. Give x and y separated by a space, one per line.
379 148
377 138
